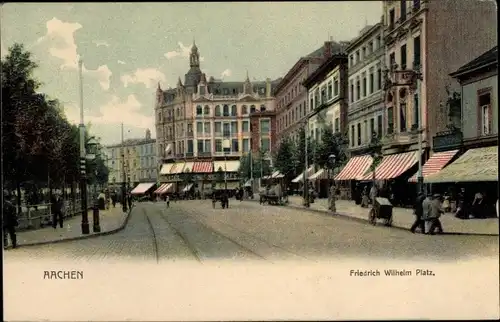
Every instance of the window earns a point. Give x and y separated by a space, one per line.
337 125
317 101
218 145
199 127
226 129
416 52
364 85
217 110
416 5
200 146
358 89
485 113
403 11
392 19
392 60
330 90
357 57
190 130
402 117
262 108
208 146
218 128
390 120
364 52
379 78
244 110
252 109
245 126
265 144
234 128
234 111
359 133
190 146
265 126
225 91
371 81
234 145
379 42
311 104
403 57
336 87
351 60
246 145
351 91
365 131
206 110
372 127
207 128
225 110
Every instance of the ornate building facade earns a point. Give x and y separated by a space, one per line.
206 125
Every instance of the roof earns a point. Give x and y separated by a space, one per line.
487 59
326 67
365 33
132 142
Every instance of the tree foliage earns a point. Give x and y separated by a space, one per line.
331 144
260 165
300 151
285 159
38 141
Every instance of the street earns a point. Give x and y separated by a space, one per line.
194 231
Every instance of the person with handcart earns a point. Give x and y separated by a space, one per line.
381 209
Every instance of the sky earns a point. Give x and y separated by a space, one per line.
127 48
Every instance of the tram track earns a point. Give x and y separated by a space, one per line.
153 233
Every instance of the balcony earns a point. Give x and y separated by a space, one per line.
447 140
179 156
189 135
398 139
189 154
205 154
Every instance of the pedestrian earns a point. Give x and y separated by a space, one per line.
418 210
113 200
426 209
56 208
129 199
373 193
167 199
9 220
436 210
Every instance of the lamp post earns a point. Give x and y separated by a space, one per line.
93 148
83 177
124 192
331 163
415 88
374 153
226 146
306 164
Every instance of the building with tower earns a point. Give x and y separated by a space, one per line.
204 127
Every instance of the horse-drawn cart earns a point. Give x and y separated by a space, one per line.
222 196
381 209
272 196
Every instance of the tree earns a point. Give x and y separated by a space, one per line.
300 151
331 143
284 159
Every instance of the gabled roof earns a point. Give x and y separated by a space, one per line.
487 59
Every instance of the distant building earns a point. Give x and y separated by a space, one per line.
137 157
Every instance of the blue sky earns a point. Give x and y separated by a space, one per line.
127 48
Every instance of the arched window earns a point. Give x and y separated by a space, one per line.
217 110
252 109
262 108
244 110
178 112
226 110
206 110
234 112
199 110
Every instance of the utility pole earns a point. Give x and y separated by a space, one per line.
83 177
124 189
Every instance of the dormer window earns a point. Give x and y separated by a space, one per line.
226 91
202 90
199 110
234 91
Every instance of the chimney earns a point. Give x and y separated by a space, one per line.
268 87
148 134
328 49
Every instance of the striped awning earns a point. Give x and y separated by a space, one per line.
187 188
164 188
435 163
475 165
300 177
277 175
177 168
188 167
165 168
203 167
321 174
355 168
142 188
392 166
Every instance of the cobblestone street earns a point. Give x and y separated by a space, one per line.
194 231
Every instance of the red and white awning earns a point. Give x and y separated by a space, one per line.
142 188
392 166
164 188
322 174
435 163
355 168
203 167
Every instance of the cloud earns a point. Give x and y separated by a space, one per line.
102 74
100 43
148 76
226 72
121 62
115 111
182 51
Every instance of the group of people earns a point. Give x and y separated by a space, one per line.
428 209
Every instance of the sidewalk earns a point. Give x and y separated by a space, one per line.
403 218
111 221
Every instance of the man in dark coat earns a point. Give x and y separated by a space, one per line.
419 212
56 208
9 220
129 199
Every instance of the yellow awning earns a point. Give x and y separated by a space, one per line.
188 167
165 169
229 166
475 165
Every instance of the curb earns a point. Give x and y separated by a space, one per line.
361 220
109 232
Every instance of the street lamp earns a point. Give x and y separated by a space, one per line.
331 163
93 149
124 175
306 163
415 88
374 153
226 146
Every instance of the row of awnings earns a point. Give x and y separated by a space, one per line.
274 175
474 166
200 167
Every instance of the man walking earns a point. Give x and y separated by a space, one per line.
435 212
9 220
56 209
426 209
419 212
167 199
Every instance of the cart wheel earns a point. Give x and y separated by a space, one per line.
371 217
